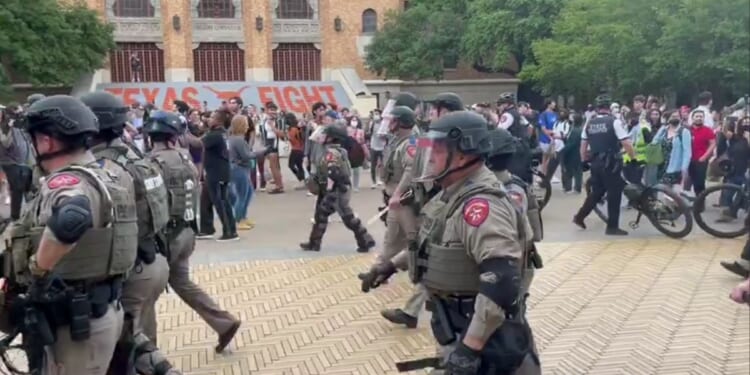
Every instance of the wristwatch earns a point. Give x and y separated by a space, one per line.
34 268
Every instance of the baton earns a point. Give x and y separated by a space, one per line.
376 217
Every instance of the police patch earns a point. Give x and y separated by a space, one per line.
330 157
411 150
516 198
65 179
476 211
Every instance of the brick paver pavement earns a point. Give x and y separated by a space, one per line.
646 306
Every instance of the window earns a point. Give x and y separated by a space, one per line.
294 9
216 9
137 62
216 62
133 8
296 62
369 21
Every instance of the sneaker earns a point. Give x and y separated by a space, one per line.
204 236
226 337
228 237
244 226
356 190
554 180
615 232
309 194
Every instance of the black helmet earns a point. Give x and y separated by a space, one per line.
31 99
503 143
338 133
507 98
603 101
449 101
109 109
406 99
467 129
61 115
404 115
163 122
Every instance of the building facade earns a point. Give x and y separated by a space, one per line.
264 40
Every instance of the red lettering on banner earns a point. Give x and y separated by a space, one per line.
292 96
279 99
129 95
313 98
114 91
150 95
188 96
330 93
169 99
264 95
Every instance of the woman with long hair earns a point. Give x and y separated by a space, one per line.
242 161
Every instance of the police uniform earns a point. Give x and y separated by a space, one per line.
82 207
332 180
512 121
469 255
181 180
604 134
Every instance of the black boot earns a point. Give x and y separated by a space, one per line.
310 246
365 242
398 316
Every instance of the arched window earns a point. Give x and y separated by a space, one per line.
133 8
369 21
295 9
216 9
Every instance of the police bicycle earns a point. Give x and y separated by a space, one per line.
720 210
541 186
661 205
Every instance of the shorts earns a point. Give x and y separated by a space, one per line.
272 146
544 147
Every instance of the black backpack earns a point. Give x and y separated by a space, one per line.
355 152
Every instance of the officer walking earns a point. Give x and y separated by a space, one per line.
512 121
84 222
605 134
181 179
469 254
149 276
331 181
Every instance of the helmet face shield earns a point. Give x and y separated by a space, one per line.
318 135
435 151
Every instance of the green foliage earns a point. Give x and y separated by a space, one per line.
51 43
642 46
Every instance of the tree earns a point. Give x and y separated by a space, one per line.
413 43
51 43
488 34
500 32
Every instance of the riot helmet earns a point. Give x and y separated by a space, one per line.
448 101
405 117
64 118
163 122
449 138
335 134
507 98
503 148
406 99
603 101
33 98
110 110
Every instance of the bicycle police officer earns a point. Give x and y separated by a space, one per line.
601 140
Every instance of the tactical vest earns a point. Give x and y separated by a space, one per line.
600 133
181 181
533 213
447 267
392 169
341 160
150 192
101 252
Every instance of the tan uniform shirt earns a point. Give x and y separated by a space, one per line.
399 158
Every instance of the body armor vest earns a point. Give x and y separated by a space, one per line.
533 213
101 252
150 192
600 133
181 179
393 168
341 161
445 265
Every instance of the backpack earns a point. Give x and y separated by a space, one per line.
355 151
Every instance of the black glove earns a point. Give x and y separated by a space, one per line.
376 276
463 361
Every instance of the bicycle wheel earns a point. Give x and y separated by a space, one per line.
542 188
723 218
664 207
601 207
13 359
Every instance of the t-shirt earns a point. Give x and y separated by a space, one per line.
547 120
216 161
702 137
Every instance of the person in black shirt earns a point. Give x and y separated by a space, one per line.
216 166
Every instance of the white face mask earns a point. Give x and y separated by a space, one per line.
353 122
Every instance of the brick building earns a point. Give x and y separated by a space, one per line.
264 40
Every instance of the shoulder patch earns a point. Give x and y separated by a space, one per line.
411 150
476 211
516 197
330 157
63 179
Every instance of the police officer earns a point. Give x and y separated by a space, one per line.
332 180
149 276
33 98
469 254
501 156
181 179
443 104
605 135
741 266
84 223
512 121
